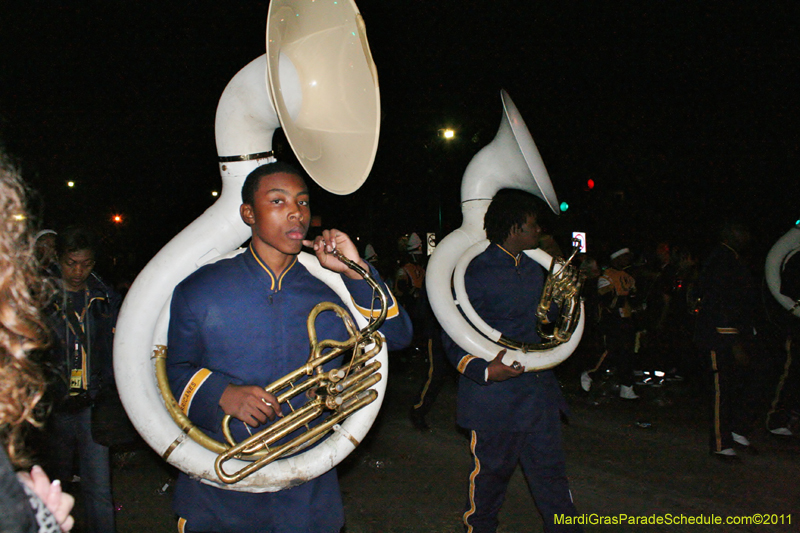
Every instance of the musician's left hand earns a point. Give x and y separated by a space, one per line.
333 239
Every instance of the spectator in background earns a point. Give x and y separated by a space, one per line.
82 317
45 251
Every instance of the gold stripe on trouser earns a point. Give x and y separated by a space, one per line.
430 375
181 525
599 363
473 443
715 370
774 406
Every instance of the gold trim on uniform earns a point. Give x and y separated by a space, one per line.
516 258
258 260
717 433
430 376
392 312
462 364
472 507
285 270
191 388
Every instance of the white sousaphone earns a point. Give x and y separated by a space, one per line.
512 161
317 81
782 251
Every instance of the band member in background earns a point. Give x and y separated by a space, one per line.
724 335
238 325
82 317
615 288
784 409
514 416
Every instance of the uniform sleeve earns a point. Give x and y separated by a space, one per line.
397 327
197 389
470 365
467 364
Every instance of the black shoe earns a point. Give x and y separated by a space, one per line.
418 421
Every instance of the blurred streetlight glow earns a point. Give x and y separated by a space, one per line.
214 193
70 184
448 133
116 219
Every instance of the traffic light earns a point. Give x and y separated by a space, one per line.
564 206
590 184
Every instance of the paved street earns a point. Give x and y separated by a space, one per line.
401 480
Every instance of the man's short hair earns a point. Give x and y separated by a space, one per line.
510 208
75 238
253 179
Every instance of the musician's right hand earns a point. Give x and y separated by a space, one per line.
498 371
249 403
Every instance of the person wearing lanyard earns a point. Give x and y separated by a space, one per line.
82 318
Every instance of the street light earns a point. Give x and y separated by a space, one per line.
447 133
70 184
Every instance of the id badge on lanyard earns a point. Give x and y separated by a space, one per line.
76 379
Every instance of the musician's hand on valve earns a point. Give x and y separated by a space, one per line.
249 403
499 371
333 239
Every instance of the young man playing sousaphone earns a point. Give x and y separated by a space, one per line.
514 417
238 325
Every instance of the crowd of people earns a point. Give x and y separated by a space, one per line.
669 314
674 314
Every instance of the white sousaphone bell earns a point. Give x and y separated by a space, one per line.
511 160
782 251
323 90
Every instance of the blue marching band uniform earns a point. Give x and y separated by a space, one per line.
726 320
517 420
236 322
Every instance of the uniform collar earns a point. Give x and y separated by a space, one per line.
502 252
275 282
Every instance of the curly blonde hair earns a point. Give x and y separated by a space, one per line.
22 329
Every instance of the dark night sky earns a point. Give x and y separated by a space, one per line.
689 109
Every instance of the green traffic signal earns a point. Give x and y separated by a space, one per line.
564 206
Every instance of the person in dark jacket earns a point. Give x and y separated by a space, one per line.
82 317
724 329
514 416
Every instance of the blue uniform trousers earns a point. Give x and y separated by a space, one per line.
732 394
541 456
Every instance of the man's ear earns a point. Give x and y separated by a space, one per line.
246 212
